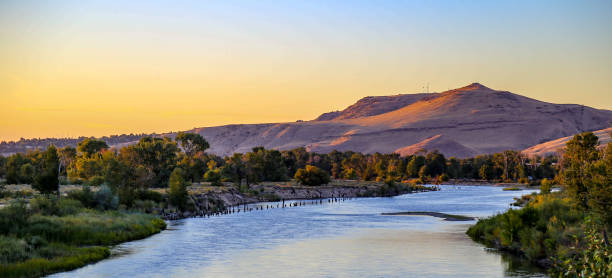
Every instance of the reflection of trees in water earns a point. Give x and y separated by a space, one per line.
515 266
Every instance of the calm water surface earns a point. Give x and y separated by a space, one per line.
344 239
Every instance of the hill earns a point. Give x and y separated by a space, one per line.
474 119
557 145
463 122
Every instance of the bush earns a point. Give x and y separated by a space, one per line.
214 177
105 199
178 194
95 181
544 228
312 176
545 186
53 206
13 217
149 195
85 196
13 250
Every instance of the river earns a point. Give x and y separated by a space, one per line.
342 239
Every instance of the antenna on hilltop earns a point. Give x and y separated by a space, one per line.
428 87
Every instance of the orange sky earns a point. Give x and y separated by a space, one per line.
74 68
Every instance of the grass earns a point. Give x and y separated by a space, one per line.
52 235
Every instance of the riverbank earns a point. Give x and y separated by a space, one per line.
206 200
49 235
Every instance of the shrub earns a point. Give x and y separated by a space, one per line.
214 177
178 189
545 186
96 181
149 195
53 206
13 250
312 175
105 199
85 196
13 217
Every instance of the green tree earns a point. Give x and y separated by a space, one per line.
485 172
312 176
3 166
415 164
436 163
47 180
192 143
580 153
157 155
26 173
13 168
545 186
91 146
178 194
67 156
214 177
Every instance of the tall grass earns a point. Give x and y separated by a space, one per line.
52 235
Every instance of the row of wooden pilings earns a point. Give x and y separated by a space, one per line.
244 207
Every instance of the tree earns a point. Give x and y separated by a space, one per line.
47 180
415 164
312 175
192 143
157 155
580 153
599 186
67 155
178 194
2 166
13 168
91 146
545 186
436 163
485 172
214 177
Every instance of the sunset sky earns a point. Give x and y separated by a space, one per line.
93 68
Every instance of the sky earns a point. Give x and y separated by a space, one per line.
94 68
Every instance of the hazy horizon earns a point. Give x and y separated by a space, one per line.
95 68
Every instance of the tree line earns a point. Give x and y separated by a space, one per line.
151 161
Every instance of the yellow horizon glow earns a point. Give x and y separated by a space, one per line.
72 69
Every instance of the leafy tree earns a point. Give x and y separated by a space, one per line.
485 172
192 143
178 194
156 155
67 156
312 175
436 163
47 180
3 166
234 168
580 152
214 177
91 146
545 186
13 168
415 164
26 173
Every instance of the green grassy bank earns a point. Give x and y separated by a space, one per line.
49 235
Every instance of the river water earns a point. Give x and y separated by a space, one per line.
342 239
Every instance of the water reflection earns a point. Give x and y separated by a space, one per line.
344 239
